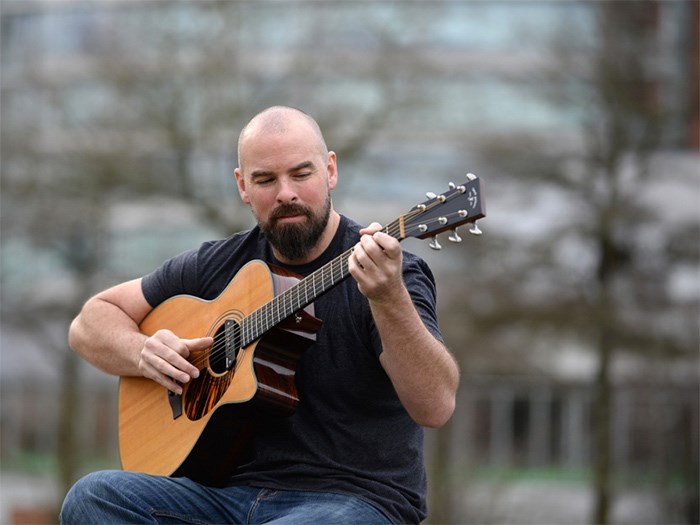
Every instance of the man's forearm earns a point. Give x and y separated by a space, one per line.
424 373
107 338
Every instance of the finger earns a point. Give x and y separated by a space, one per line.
361 253
200 343
355 267
172 342
196 348
370 253
167 354
169 383
371 229
156 362
389 244
162 374
381 249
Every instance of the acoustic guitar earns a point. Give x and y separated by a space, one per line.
261 324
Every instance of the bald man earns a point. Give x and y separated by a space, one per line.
377 373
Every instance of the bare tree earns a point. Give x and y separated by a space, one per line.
593 276
162 95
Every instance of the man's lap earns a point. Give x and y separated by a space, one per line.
126 497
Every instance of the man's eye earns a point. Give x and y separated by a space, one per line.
264 182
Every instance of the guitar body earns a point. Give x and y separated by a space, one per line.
203 433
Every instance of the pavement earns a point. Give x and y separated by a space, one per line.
28 500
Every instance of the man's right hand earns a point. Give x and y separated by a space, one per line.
164 359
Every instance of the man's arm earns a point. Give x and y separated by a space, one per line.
106 333
422 370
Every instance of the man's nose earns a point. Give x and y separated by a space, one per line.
286 192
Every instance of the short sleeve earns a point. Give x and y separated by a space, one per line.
175 276
420 283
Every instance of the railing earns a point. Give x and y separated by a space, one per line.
498 422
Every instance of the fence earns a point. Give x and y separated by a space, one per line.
513 422
504 422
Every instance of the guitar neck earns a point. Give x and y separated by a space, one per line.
303 293
461 204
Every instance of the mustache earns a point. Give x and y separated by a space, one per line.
289 209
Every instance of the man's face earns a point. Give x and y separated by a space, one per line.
287 178
295 239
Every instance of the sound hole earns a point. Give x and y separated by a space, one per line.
204 393
227 344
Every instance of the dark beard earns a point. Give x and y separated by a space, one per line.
294 241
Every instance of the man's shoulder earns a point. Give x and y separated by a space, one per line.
349 226
246 241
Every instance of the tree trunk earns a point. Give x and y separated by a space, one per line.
603 405
67 445
602 435
440 505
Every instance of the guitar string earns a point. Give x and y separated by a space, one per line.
286 304
262 319
287 299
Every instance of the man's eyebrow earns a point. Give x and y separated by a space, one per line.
307 164
302 166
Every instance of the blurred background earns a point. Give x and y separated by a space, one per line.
574 317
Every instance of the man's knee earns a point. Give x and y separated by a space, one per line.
88 496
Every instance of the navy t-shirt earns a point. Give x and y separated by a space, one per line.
350 433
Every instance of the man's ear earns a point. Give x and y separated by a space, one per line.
240 182
332 169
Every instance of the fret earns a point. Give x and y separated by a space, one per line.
306 290
278 307
460 205
260 323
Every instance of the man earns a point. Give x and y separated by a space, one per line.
378 371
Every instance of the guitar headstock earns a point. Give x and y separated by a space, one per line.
463 203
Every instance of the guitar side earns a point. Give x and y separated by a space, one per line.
159 434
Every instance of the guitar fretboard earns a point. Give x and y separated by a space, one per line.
440 212
302 294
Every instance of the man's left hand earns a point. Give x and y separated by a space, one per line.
376 264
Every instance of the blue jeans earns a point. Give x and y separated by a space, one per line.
114 496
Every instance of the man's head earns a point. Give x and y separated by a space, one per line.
285 173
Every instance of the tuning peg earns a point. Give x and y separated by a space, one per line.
471 176
454 236
430 195
453 186
474 230
434 244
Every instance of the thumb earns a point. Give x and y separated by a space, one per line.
199 343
